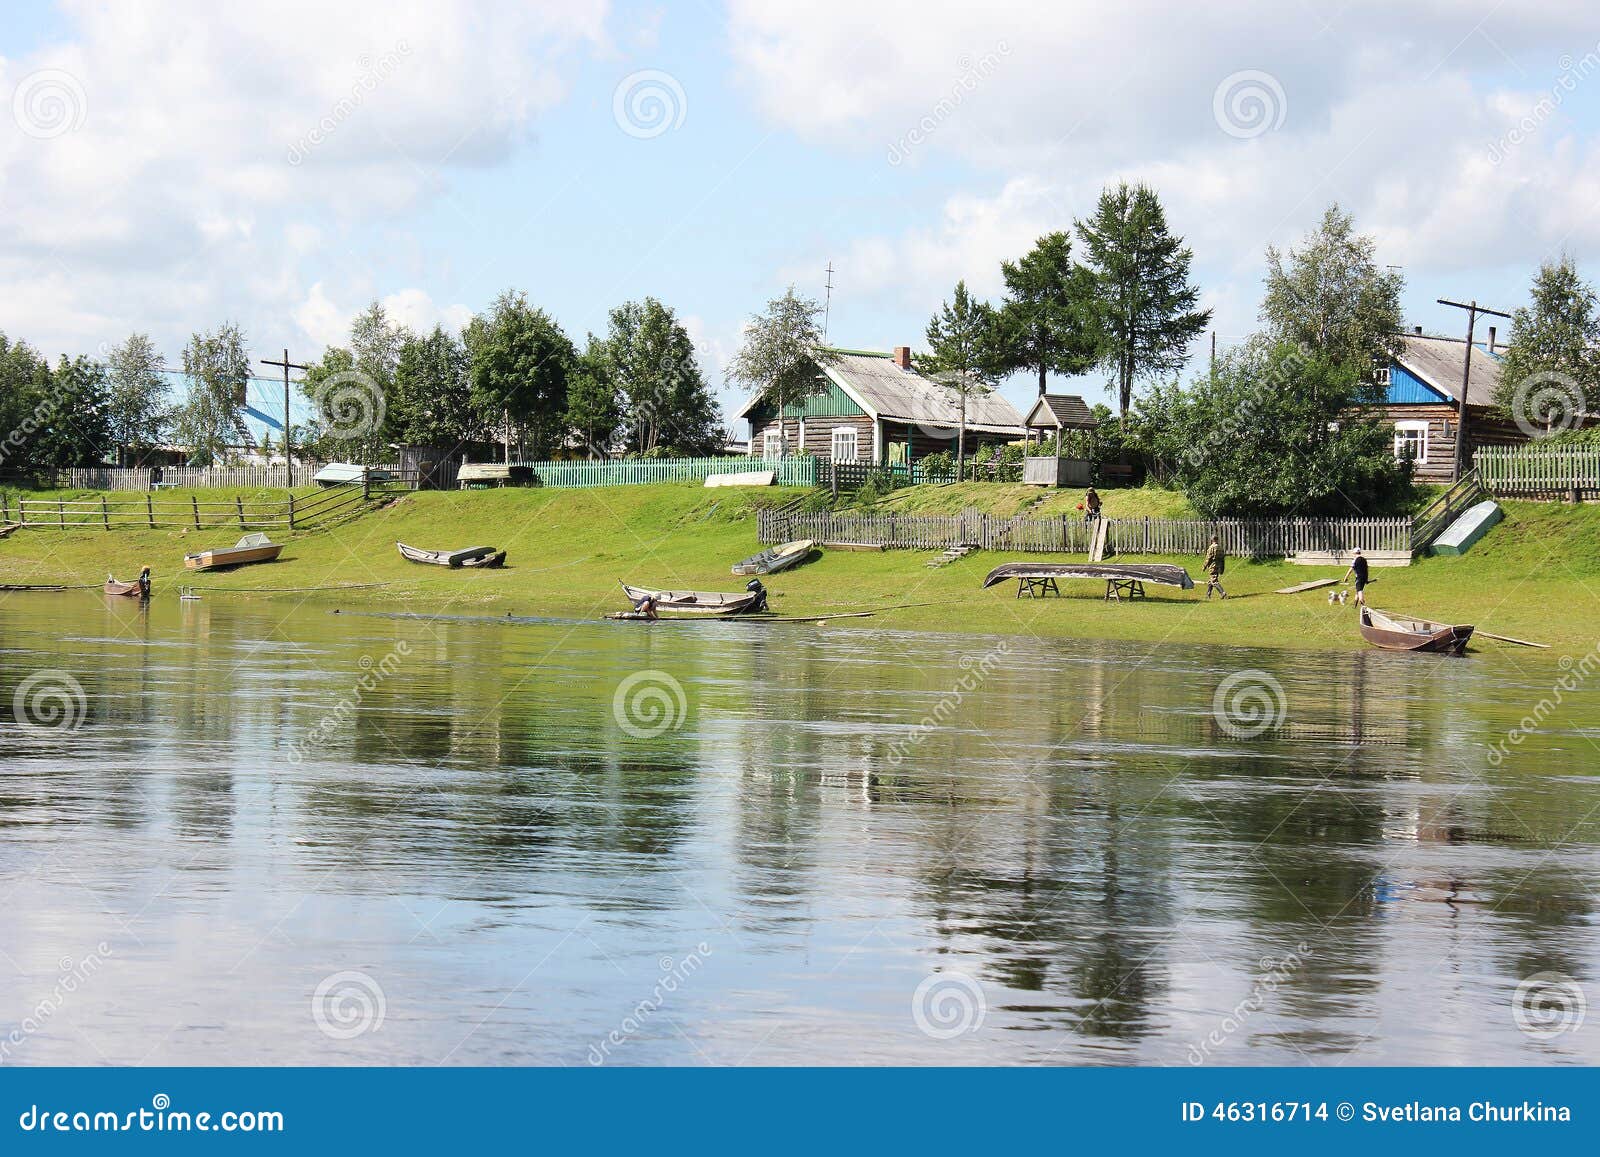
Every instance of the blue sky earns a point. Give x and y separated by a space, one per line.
910 144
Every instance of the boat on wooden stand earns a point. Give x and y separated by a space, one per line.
251 548
1037 579
1403 633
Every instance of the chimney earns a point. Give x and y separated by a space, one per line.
1491 339
1417 329
902 356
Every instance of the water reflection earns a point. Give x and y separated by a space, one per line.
253 799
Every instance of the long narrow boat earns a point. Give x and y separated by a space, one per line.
467 556
251 548
139 588
1162 573
1402 633
776 558
487 561
695 602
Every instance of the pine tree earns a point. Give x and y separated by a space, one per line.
1046 322
962 341
1144 304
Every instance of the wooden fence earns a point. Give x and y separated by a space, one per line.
186 477
151 511
1242 538
1538 470
795 471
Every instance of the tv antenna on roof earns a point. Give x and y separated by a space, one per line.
827 302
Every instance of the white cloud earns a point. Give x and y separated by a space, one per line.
216 144
1393 109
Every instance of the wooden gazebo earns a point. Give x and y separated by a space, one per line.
1052 415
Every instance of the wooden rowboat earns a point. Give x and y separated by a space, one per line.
251 548
1400 633
1163 573
696 602
468 556
774 559
139 588
488 561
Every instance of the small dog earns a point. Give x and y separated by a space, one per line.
1336 597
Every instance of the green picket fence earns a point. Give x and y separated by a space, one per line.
797 471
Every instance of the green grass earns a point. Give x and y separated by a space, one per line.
1007 501
1535 576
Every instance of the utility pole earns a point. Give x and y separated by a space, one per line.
1463 450
288 430
827 302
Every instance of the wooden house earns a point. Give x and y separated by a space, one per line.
1422 402
875 408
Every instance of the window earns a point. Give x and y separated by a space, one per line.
771 444
844 443
1382 376
1411 440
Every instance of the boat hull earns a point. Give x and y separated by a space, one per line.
694 602
468 556
1164 574
1432 638
123 590
232 556
777 558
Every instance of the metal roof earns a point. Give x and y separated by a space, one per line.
884 390
1439 362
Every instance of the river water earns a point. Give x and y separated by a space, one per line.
242 832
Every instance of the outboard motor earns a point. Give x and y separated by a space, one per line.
755 587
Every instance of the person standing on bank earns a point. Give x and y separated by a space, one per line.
1091 502
1358 571
1216 562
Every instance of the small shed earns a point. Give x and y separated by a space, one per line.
1051 416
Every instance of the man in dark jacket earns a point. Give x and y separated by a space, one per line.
1358 571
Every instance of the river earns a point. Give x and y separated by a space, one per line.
238 832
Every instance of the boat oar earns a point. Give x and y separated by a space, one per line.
1483 634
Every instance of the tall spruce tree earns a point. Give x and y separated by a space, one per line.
962 356
1047 320
1144 304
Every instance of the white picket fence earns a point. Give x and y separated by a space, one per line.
188 477
1536 469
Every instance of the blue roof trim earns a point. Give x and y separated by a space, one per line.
1406 388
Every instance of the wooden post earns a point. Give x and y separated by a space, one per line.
195 503
149 510
61 516
105 515
238 504
291 510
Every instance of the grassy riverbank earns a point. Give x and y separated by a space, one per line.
1536 576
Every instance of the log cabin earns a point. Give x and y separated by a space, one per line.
875 408
1422 401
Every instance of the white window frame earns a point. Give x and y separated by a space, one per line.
1407 426
771 444
843 434
1383 376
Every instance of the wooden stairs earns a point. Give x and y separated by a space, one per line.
959 551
